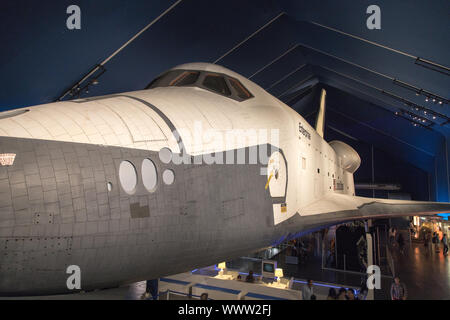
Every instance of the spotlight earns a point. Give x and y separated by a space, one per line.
440 102
426 99
434 117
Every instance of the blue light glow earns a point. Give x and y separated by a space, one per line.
444 215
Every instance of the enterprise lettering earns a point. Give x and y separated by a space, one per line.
303 131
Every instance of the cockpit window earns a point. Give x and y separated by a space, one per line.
187 78
241 91
177 78
165 79
217 83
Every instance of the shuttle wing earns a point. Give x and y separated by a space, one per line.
336 207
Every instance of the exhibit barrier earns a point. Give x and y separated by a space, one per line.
192 286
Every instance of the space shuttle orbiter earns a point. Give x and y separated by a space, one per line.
200 167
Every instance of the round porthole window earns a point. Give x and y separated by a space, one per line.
149 175
168 176
165 155
128 176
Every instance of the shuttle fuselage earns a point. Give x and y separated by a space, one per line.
82 191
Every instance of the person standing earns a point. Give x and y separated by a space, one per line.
307 290
401 243
362 295
430 243
391 236
151 289
250 277
331 294
445 244
394 233
342 294
436 242
398 290
426 243
350 294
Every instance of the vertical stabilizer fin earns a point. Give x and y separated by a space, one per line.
320 120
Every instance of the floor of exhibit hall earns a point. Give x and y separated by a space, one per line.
426 274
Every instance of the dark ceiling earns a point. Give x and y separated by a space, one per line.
287 47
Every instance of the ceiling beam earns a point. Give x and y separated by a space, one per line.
249 37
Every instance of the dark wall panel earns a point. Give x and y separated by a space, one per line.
386 169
